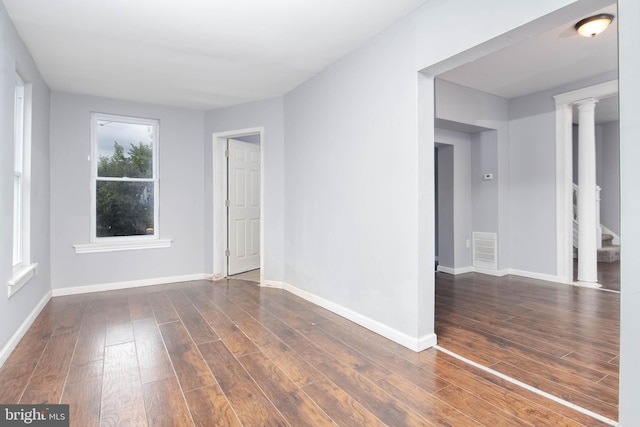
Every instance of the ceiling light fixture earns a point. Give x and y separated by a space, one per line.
594 25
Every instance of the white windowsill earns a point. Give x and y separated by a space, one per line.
122 246
20 278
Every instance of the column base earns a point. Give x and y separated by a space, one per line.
594 285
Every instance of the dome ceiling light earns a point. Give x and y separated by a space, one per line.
594 25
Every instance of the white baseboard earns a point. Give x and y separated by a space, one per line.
539 276
490 272
415 344
443 269
501 273
471 269
24 327
272 284
129 284
425 342
455 271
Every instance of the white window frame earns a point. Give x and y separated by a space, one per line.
124 242
23 270
18 172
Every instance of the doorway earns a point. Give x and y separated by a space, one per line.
470 323
565 240
222 239
243 204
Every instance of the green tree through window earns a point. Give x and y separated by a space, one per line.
125 208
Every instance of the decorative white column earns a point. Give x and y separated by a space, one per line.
587 237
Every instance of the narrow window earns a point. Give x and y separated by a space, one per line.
125 178
23 269
18 176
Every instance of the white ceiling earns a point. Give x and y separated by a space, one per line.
549 60
206 54
199 54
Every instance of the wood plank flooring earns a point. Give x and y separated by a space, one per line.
229 353
561 339
251 276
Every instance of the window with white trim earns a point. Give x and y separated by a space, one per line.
125 178
23 269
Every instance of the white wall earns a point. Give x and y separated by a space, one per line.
267 114
532 192
532 168
484 193
461 104
181 215
351 184
461 214
13 54
608 169
357 179
445 245
525 220
534 109
485 117
629 39
252 139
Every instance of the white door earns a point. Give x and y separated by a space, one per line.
243 196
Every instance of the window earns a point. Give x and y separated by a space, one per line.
23 270
18 173
125 178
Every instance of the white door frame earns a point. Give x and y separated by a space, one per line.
564 171
219 188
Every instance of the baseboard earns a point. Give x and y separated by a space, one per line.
539 276
455 271
425 342
501 273
415 344
129 284
471 269
443 269
490 272
24 327
272 284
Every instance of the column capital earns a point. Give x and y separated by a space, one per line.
586 102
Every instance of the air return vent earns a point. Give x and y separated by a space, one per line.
485 250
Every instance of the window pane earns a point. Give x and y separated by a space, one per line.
17 219
18 132
124 208
124 149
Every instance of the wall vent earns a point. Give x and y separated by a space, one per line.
485 250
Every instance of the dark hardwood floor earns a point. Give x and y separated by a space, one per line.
229 353
561 339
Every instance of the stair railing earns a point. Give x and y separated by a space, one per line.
576 219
